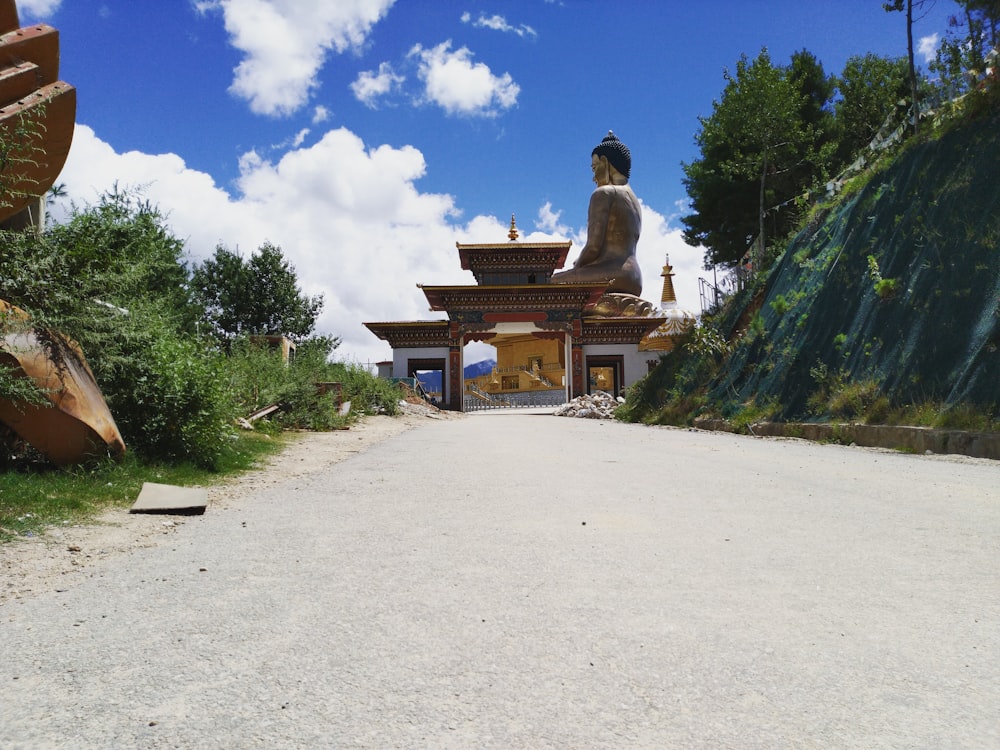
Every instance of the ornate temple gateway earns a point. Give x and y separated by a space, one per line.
542 326
558 335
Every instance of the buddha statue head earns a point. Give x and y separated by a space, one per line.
616 153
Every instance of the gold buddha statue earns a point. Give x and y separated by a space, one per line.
614 220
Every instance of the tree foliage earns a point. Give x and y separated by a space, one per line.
779 133
115 279
254 296
870 89
19 151
764 141
973 34
121 251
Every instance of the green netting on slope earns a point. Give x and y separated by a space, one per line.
932 225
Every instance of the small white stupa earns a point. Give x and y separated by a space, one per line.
678 320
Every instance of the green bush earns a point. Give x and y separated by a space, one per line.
168 394
674 392
259 377
750 413
367 393
967 417
114 279
838 397
886 288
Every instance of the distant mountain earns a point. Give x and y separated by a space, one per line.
431 381
480 368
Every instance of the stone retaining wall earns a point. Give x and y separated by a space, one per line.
912 439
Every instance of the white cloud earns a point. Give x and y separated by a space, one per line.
349 218
370 86
499 23
197 209
927 47
286 42
37 8
352 221
320 115
550 221
461 87
657 241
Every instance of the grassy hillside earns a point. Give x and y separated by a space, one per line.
887 303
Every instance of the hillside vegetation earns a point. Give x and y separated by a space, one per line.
885 307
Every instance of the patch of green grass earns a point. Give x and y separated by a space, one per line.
680 411
838 397
32 499
924 414
966 417
858 401
750 413
886 289
957 417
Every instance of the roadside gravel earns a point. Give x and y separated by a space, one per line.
66 555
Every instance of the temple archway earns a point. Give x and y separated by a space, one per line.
430 374
529 368
605 373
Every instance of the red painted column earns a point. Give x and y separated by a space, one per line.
455 385
578 386
576 382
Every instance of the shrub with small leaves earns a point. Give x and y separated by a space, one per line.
169 395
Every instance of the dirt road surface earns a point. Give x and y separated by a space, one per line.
517 580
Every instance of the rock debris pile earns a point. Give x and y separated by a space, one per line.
599 405
419 408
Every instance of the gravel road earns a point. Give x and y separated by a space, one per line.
516 580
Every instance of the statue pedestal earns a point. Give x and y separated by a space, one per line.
617 305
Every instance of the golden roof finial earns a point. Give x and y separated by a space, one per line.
513 233
677 322
668 295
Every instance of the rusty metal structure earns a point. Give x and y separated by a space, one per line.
77 424
37 116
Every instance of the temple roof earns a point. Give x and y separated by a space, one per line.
514 262
514 258
517 298
617 330
413 333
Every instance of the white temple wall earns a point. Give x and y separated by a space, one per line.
402 357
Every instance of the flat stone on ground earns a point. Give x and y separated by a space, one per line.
168 498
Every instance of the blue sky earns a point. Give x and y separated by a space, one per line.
367 137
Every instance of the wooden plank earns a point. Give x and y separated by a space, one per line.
17 81
37 44
52 113
170 499
264 412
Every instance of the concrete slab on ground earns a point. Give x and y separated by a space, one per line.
168 498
